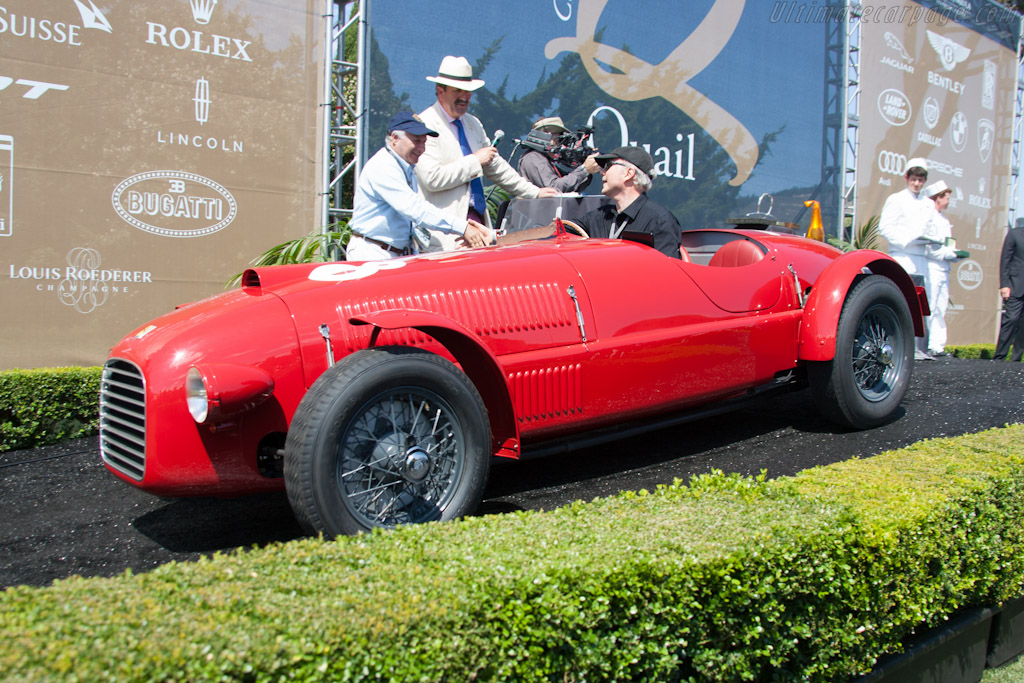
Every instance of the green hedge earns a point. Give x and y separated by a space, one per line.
48 405
974 351
728 579
44 406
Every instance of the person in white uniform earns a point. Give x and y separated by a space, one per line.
939 252
902 223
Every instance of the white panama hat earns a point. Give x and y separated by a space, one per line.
456 72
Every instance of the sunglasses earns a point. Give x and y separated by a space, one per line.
615 163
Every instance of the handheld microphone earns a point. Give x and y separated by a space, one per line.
498 135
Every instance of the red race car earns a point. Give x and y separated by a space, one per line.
376 393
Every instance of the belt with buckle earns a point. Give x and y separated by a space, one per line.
384 245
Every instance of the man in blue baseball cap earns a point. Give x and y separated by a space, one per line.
387 209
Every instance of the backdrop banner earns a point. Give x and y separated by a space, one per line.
696 83
939 81
732 100
148 151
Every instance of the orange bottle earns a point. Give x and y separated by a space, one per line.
815 231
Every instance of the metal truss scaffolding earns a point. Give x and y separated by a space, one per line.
838 189
342 106
851 120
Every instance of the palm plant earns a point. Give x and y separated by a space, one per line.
317 247
866 237
495 196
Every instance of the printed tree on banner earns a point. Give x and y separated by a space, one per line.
701 200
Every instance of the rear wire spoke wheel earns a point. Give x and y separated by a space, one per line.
387 436
875 364
866 381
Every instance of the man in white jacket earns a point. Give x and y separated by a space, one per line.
451 169
902 223
904 217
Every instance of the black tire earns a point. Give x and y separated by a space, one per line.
362 453
864 384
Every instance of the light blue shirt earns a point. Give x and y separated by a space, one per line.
386 204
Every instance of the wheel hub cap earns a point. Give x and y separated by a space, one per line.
885 354
417 464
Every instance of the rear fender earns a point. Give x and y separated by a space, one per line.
477 362
825 303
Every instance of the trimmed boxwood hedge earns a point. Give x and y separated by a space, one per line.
730 578
47 405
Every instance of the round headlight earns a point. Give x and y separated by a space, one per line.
196 396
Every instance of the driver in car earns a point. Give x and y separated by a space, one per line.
627 173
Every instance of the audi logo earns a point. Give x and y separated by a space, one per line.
891 162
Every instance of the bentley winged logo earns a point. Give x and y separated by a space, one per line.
950 53
634 79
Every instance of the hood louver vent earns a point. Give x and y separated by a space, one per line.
250 278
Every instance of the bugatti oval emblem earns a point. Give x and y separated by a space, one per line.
174 203
969 274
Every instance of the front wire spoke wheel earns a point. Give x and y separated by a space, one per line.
387 436
401 458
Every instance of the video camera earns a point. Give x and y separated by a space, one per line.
566 150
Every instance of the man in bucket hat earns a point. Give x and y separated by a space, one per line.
451 169
627 174
387 209
540 169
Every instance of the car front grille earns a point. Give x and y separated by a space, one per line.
123 418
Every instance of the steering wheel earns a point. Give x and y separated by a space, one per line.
574 227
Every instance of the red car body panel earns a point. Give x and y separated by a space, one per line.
559 336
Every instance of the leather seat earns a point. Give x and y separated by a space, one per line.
736 253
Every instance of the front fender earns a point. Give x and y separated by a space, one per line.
825 303
476 360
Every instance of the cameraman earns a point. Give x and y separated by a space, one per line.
541 170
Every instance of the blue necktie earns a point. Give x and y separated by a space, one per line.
475 185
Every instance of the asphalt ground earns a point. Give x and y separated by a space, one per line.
62 514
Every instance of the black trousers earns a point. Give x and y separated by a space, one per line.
1011 329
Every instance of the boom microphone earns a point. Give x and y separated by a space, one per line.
498 135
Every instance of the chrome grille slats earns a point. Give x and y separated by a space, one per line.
123 418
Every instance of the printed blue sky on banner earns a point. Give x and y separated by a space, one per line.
769 75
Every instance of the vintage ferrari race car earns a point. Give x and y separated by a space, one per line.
377 393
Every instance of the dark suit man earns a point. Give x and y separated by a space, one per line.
1011 288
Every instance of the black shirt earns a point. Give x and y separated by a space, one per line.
643 215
